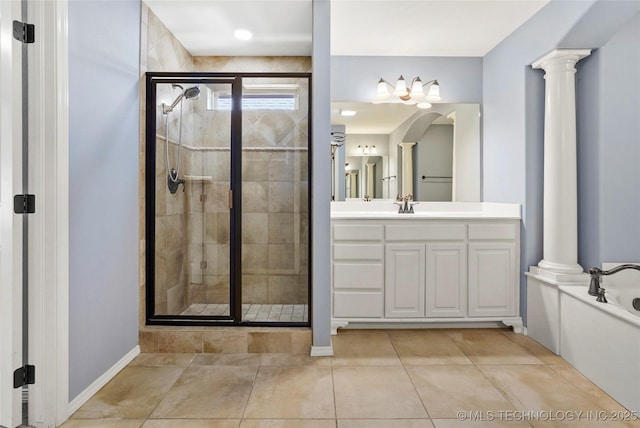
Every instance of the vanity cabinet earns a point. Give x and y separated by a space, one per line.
358 270
493 258
425 271
446 281
404 280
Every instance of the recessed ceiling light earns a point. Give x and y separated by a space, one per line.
345 112
242 34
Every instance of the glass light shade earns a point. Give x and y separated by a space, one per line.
423 105
373 150
434 92
401 88
416 89
383 92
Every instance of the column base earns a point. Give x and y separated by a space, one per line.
560 268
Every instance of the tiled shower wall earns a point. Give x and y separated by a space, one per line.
191 229
165 53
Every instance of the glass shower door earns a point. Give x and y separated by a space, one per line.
275 149
192 273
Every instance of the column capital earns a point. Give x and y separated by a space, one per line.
406 145
560 56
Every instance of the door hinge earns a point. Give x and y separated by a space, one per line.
23 32
24 204
24 376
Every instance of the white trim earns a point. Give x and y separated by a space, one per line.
92 389
10 224
49 228
322 351
61 321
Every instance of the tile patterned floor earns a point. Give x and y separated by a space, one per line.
377 379
273 313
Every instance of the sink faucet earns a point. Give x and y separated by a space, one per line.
596 278
404 204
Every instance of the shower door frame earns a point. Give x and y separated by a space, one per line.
235 224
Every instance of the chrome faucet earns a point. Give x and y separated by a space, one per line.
404 204
596 278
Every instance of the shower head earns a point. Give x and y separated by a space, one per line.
189 93
192 92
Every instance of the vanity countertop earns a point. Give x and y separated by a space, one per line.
385 209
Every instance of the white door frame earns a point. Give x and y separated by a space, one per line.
10 224
48 227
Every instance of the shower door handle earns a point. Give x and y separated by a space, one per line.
230 199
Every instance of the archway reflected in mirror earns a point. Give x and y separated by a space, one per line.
445 158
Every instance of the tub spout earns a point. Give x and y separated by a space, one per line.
596 276
594 285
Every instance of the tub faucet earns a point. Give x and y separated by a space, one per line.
596 278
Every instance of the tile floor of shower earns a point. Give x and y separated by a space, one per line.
254 312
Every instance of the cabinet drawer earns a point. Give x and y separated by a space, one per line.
358 276
492 231
358 232
426 232
357 305
358 252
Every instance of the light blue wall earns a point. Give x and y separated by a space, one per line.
354 78
513 119
609 156
103 186
320 170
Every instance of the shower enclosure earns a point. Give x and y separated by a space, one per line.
227 198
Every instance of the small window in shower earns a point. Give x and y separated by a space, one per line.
258 97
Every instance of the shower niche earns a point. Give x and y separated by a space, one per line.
227 198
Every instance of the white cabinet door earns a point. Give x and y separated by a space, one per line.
493 279
446 280
404 280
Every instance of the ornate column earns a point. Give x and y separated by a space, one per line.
560 222
370 191
407 168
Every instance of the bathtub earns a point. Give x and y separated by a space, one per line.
602 340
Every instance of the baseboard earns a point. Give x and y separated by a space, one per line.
322 351
85 395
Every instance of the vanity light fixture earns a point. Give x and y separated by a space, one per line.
412 94
366 150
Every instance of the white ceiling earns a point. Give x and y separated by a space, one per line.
358 27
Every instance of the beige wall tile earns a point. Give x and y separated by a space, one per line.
233 341
267 342
180 341
148 341
255 228
281 228
255 197
254 289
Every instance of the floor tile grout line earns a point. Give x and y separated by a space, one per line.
415 388
184 368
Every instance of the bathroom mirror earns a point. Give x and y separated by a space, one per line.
398 149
